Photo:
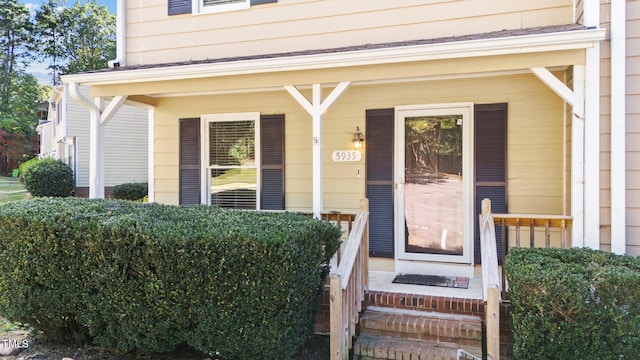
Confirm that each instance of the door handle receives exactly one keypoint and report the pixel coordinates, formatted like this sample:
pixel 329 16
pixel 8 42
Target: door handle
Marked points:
pixel 399 184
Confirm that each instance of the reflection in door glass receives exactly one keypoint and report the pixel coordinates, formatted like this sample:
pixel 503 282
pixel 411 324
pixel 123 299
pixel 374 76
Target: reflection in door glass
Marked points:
pixel 433 185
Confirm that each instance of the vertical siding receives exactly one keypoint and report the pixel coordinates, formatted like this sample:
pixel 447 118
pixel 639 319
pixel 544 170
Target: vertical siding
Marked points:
pixel 290 25
pixel 125 139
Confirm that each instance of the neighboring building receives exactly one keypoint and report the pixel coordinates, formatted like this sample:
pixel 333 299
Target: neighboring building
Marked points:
pixel 256 103
pixel 65 135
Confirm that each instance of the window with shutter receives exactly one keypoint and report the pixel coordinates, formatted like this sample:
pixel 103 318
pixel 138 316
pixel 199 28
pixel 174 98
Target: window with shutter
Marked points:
pixel 491 165
pixel 231 160
pixel 232 178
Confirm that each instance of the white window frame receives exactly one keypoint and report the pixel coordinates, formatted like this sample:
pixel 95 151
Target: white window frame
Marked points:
pixel 199 8
pixel 406 261
pixel 205 177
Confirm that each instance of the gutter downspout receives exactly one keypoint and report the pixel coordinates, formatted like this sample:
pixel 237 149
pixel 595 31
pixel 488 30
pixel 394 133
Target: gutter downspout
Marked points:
pixel 121 37
pixel 96 143
pixel 618 127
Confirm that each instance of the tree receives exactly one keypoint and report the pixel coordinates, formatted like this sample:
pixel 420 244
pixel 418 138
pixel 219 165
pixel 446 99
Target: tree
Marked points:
pixel 15 36
pixel 75 39
pixel 18 120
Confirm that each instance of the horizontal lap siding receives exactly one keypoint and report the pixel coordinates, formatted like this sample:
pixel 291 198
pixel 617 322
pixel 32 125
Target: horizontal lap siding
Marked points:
pixel 343 189
pixel 633 128
pixel 155 37
pixel 125 137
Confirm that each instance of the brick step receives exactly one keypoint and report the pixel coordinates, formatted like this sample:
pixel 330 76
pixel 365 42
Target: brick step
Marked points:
pixel 462 330
pixel 369 347
pixel 440 304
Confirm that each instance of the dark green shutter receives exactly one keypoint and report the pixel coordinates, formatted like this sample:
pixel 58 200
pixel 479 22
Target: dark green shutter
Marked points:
pixel 490 165
pixel 379 163
pixel 189 177
pixel 177 7
pixel 272 158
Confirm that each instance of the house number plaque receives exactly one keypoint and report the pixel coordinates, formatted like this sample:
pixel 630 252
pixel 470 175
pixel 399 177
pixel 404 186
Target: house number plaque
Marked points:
pixel 346 155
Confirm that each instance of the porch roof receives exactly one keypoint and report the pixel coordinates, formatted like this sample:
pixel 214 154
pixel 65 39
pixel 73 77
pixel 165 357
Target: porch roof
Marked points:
pixel 517 41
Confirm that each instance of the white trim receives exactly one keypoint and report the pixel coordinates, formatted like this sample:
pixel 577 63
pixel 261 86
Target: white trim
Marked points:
pixel 151 169
pixel 577 158
pixel 205 178
pixel 554 84
pixel 96 142
pixel 199 8
pixel 114 105
pixel 592 149
pixel 316 109
pixel 618 127
pixel 567 40
pixel 401 112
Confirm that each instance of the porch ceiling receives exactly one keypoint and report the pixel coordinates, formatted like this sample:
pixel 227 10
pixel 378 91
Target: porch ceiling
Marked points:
pixel 485 55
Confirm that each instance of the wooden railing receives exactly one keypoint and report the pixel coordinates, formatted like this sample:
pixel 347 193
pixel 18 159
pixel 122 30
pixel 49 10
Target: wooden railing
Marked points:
pixel 494 281
pixel 347 285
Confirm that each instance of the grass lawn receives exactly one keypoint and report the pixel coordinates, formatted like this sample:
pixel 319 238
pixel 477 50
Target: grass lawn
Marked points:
pixel 11 190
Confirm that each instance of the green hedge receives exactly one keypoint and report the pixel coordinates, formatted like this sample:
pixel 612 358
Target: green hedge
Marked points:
pixel 574 304
pixel 135 276
pixel 131 191
pixel 47 177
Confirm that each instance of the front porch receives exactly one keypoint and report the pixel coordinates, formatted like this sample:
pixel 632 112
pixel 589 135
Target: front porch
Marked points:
pixel 371 317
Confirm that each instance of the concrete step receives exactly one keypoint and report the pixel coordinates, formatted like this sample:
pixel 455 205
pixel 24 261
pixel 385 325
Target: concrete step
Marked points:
pixel 462 330
pixel 369 347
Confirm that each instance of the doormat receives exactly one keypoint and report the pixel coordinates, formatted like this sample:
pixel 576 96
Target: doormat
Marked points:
pixel 433 280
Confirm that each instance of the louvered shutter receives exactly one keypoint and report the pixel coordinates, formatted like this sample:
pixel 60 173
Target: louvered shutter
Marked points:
pixel 272 158
pixel 258 2
pixel 379 163
pixel 189 176
pixel 177 7
pixel 490 165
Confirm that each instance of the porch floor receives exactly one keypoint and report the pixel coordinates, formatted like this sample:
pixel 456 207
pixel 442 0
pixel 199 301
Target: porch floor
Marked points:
pixel 382 281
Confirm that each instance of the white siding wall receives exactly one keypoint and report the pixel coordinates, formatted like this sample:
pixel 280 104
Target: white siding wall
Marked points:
pixel 125 138
pixel 46 139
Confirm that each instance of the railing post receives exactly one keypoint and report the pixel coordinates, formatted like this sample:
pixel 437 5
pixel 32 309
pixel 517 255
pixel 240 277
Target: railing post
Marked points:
pixel 493 323
pixel 364 206
pixel 489 253
pixel 337 347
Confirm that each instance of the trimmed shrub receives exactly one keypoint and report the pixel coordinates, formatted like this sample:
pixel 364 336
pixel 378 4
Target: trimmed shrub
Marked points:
pixel 574 304
pixel 136 276
pixel 22 168
pixel 134 191
pixel 48 177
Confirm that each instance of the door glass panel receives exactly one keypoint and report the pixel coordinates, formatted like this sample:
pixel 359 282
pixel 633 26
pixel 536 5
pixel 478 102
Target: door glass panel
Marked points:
pixel 433 202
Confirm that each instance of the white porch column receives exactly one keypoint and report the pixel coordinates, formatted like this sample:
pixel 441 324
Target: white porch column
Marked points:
pixel 316 109
pixel 618 128
pixel 96 154
pixel 577 157
pixel 592 132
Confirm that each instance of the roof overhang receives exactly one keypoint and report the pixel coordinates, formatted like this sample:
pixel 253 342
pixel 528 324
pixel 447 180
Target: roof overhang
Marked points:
pixel 533 43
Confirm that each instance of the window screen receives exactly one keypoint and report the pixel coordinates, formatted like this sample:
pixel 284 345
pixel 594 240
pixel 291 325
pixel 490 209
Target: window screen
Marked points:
pixel 232 164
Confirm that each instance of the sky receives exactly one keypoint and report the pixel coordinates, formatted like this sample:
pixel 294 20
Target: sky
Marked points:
pixel 40 70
